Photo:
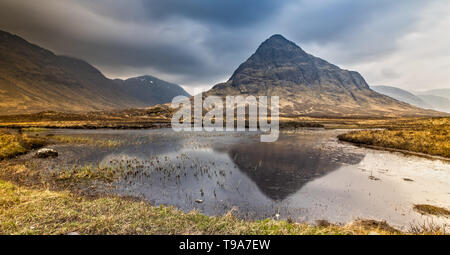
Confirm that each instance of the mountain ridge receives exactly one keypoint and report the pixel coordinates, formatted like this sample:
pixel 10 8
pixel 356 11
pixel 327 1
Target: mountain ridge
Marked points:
pixel 433 99
pixel 34 79
pixel 308 85
pixel 166 90
pixel 438 103
pixel 401 95
pixel 436 92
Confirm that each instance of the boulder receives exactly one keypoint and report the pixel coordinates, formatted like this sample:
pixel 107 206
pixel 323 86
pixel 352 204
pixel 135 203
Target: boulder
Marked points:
pixel 46 153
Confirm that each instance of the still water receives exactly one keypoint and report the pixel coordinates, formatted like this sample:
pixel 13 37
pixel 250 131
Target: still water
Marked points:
pixel 304 176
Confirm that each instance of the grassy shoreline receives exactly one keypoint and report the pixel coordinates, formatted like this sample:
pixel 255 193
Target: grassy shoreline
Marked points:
pixel 41 211
pixel 54 206
pixel 34 203
pixel 12 145
pixel 430 137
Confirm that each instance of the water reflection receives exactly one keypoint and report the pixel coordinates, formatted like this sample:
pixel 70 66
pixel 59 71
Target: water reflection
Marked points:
pixel 282 168
pixel 304 176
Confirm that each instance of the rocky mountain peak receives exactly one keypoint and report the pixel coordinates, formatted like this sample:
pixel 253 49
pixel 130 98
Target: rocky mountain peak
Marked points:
pixel 308 85
pixel 278 42
pixel 278 49
pixel 281 62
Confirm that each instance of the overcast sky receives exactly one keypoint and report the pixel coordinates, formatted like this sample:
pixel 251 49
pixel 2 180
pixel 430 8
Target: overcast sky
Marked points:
pixel 198 43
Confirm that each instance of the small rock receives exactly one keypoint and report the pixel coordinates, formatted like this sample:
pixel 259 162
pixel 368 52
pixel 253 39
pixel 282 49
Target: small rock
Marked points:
pixel 373 178
pixel 322 223
pixel 45 153
pixel 199 201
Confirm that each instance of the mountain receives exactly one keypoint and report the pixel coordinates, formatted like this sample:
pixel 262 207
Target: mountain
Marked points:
pixel 151 89
pixel 431 99
pixel 439 99
pixel 308 85
pixel 436 92
pixel 401 95
pixel 438 103
pixel 34 79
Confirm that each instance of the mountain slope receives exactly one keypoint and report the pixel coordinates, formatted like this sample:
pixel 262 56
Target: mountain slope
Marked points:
pixel 437 102
pixel 33 79
pixel 401 95
pixel 151 90
pixel 436 92
pixel 429 100
pixel 308 85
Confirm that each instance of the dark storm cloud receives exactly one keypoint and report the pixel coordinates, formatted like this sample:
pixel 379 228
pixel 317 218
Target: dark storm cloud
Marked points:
pixel 230 13
pixel 121 54
pixel 360 30
pixel 200 41
pixel 228 28
pixel 325 21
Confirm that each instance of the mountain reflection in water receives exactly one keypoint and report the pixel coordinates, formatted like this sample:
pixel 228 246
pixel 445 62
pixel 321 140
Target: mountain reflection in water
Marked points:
pixel 304 176
pixel 284 167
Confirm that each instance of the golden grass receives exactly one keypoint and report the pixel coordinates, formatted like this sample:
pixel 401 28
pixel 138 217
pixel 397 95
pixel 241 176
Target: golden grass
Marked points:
pixel 105 143
pixel 89 172
pixel 12 145
pixel 34 129
pixel 94 124
pixel 429 136
pixel 30 211
pixel 431 210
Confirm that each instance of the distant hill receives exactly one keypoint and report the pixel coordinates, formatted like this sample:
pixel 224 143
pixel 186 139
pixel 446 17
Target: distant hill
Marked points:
pixel 437 102
pixel 432 99
pixel 401 95
pixel 436 92
pixel 34 79
pixel 309 86
pixel 151 89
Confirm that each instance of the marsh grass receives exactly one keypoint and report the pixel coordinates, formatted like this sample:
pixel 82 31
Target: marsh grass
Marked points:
pixel 429 136
pixel 427 228
pixel 40 211
pixel 89 172
pixel 431 210
pixel 12 145
pixel 104 143
pixel 34 129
